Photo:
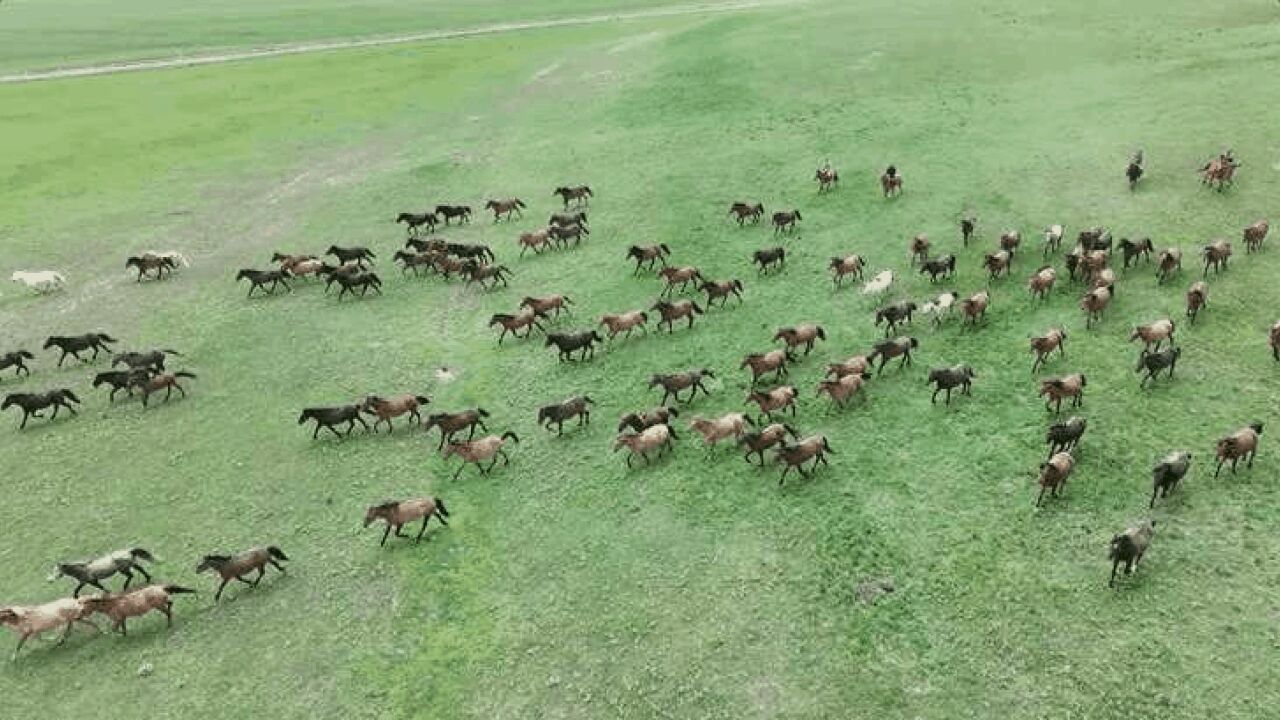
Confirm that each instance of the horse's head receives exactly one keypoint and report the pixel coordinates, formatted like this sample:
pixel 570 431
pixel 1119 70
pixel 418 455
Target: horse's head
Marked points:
pixel 211 562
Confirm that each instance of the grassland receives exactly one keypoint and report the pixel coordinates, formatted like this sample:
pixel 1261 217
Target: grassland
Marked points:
pixel 566 585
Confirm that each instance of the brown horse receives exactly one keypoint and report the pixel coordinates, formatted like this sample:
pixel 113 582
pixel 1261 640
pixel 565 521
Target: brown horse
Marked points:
pixel 537 241
pixel 795 456
pixel 1043 346
pixel 1041 283
pixel 505 207
pixel 673 311
pixel 168 382
pixel 476 452
pixel 451 424
pixel 847 266
pixel 1254 235
pixel 919 248
pixel 579 194
pixel 151 264
pixel 806 334
pixel 721 290
pixel 648 253
pixel 387 408
pixel 544 305
pixel 1197 298
pixel 891 182
pixel 397 513
pixel 139 601
pixel 1216 256
pixel 785 220
pixel 1169 260
pixel 1054 390
pixel 774 361
pixel 1220 170
pixel 627 321
pixel 526 318
pixel 235 567
pixel 827 178
pixel 681 276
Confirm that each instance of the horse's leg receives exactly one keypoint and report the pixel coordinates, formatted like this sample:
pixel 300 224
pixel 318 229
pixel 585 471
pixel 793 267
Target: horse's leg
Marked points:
pixel 385 533
pixel 25 414
pixel 459 472
pixel 218 595
pixel 331 429
pixel 422 530
pixel 128 578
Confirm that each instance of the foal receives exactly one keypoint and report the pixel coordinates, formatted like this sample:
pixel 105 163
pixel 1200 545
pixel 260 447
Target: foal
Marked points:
pixel 397 513
pixel 235 567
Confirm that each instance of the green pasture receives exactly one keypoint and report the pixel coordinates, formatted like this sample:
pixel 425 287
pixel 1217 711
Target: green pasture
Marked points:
pixel 566 585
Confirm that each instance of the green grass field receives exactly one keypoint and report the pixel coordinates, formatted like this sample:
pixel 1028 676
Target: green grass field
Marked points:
pixel 567 586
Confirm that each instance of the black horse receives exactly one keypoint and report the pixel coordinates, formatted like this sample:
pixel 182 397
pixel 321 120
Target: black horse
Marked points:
pixel 414 221
pixel 563 233
pixel 16 360
pixel 364 281
pixel 895 314
pixel 947 378
pixel 329 417
pixel 449 212
pixel 263 278
pixel 357 255
pixel 568 218
pixel 33 403
pixel 77 344
pixel 464 251
pixel 121 380
pixel 579 407
pixel 151 360
pixel 1132 250
pixel 1154 362
pixel 940 266
pixel 1065 435
pixel 568 343
pixel 769 257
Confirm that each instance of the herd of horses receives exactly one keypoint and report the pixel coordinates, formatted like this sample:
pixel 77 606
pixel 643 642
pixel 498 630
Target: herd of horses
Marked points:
pixel 651 433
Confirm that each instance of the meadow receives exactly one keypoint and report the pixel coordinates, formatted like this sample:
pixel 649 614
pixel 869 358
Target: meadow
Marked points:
pixel 566 585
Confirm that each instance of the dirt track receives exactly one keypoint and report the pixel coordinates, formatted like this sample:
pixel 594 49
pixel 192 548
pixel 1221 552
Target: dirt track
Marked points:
pixel 331 45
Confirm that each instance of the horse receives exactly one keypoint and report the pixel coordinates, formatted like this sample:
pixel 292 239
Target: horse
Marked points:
pixel 146 264
pixel 721 290
pixel 1154 362
pixel 744 211
pixel 1197 298
pixel 1168 473
pixel 568 343
pixel 629 321
pixel 679 275
pixel 149 360
pixel 805 334
pixel 757 442
pixel 121 380
pixel 657 437
pixel 505 207
pixel 235 567
pixel 357 255
pixel 1041 283
pixel 1054 473
pixel 93 572
pixel 769 257
pixel 162 381
pixel 512 323
pixel 1053 390
pixel 537 241
pixel 1167 261
pixel 730 425
pixel 387 408
pixel 1053 238
pixel 641 420
pixel 262 278
pixel 451 424
pixel 892 315
pixel 17 360
pixel 396 513
pixel 785 220
pixel 136 602
pixel 1220 170
pixel 886 350
pixel 1153 333
pixel 31 620
pixel 1133 172
pixel 478 273
pixel 968 224
pixel 1254 235
pixel 849 265
pixel 1133 250
pixel 1129 546
pixel 944 266
pixel 948 378
pixel 1216 256
pixel 330 417
pixel 42 281
pixel 673 383
pixel 673 311
pixel 774 361
pixel 449 212
pixel 648 253
pixel 1065 435
pixel 827 178
pixel 413 221
pixel 891 182
pixel 32 403
pixel 795 456
pixel 1242 443
pixel 579 194
pixel 565 219
pixel 919 248
pixel 364 280
pixel 475 452
pixel 75 344
pixel 578 406
pixel 563 233
pixel 1043 346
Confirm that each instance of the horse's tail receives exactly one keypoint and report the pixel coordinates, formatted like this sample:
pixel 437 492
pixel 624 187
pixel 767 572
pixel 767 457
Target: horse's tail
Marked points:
pixel 276 553
pixel 141 554
pixel 440 506
pixel 168 351
pixel 185 374
pixel 519 203
pixel 178 590
pixel 422 399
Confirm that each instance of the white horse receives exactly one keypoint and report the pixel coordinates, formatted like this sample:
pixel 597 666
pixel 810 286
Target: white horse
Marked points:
pixel 42 281
pixel 878 284
pixel 939 308
pixel 177 257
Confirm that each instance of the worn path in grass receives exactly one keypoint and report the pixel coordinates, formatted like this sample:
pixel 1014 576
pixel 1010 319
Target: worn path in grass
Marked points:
pixel 567 586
